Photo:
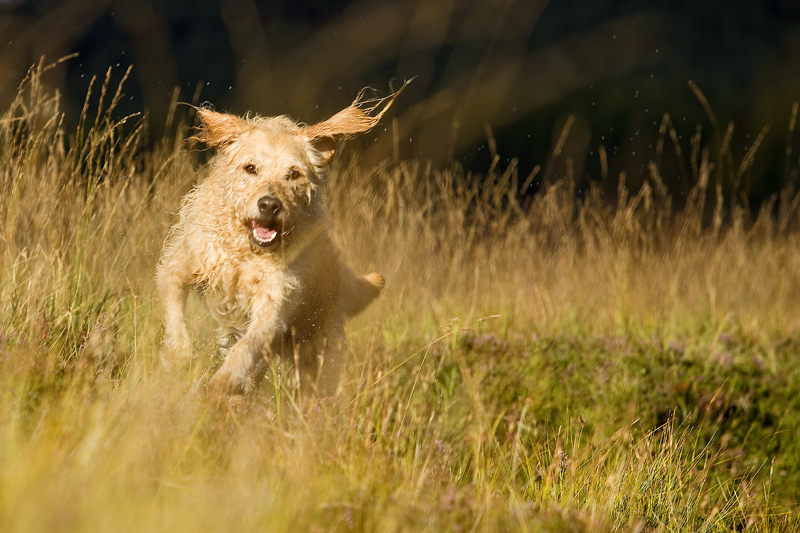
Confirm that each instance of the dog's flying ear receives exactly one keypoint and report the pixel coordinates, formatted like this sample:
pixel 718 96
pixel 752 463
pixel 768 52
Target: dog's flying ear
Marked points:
pixel 324 137
pixel 218 129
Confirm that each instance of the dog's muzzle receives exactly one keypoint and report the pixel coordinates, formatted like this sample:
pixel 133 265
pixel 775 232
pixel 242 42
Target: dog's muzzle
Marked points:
pixel 266 229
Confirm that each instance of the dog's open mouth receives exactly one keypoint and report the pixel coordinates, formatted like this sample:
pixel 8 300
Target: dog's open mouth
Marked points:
pixel 263 234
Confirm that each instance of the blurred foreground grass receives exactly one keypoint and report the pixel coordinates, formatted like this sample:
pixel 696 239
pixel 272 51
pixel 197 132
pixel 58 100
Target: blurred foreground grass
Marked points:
pixel 536 363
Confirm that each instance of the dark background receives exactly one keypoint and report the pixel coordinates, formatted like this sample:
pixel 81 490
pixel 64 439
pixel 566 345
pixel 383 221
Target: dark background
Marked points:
pixel 515 68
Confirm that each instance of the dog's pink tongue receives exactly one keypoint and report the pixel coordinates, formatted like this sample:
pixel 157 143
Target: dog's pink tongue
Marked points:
pixel 265 234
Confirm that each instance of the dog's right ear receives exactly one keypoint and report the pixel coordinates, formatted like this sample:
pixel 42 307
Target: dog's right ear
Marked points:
pixel 360 117
pixel 218 129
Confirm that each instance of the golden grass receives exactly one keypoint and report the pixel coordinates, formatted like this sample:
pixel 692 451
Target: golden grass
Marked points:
pixel 510 378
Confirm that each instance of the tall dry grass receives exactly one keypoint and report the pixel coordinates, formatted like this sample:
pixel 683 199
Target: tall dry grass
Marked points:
pixel 606 262
pixel 498 384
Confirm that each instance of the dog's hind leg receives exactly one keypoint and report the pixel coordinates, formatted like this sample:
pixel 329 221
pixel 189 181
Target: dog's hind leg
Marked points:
pixel 319 356
pixel 331 358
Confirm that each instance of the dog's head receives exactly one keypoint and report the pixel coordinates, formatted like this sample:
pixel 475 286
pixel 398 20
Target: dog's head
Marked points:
pixel 272 169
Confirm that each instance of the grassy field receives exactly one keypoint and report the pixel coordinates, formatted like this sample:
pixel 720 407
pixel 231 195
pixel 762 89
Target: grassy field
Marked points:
pixel 536 364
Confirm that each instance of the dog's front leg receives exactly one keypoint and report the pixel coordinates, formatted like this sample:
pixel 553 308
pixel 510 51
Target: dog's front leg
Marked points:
pixel 176 349
pixel 250 351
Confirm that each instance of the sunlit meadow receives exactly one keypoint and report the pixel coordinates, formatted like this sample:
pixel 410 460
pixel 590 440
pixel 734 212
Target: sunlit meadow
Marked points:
pixel 609 359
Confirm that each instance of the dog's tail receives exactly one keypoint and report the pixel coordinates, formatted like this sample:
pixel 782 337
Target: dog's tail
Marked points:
pixel 357 293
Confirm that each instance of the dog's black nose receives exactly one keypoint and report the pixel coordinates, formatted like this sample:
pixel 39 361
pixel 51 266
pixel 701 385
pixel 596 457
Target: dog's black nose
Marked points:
pixel 269 205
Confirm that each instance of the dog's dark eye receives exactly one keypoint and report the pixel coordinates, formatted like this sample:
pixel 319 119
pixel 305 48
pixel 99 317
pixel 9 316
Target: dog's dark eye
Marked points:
pixel 250 169
pixel 293 174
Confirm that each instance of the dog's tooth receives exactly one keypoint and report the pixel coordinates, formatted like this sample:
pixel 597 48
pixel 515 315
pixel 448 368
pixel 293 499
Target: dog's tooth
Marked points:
pixel 271 236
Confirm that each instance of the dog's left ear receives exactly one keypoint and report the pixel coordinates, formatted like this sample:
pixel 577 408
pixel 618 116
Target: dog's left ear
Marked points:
pixel 218 129
pixel 324 137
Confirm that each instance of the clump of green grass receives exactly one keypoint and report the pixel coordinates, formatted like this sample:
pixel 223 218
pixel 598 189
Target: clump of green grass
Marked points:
pixel 537 363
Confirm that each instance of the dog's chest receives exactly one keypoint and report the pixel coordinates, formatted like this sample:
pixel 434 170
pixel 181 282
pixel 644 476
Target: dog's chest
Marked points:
pixel 230 310
pixel 231 295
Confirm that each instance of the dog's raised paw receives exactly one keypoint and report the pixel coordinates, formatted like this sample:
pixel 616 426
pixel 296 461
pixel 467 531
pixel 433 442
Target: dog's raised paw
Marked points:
pixel 376 280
